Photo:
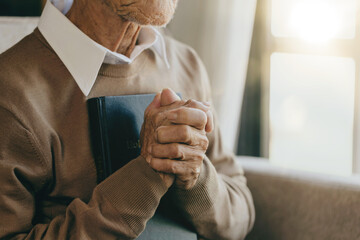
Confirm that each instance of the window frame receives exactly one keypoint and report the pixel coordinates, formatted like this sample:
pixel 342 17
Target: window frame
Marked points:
pixel 335 47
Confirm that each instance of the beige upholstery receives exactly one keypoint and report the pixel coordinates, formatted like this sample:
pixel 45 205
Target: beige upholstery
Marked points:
pixel 13 29
pixel 292 205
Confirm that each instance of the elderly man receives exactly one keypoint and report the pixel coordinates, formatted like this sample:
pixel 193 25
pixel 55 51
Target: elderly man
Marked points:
pixel 47 172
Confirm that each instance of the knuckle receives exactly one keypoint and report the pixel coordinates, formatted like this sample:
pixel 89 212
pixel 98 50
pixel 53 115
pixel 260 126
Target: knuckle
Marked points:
pixel 193 103
pixel 177 104
pixel 197 104
pixel 190 102
pixel 158 133
pixel 204 143
pixel 155 149
pixel 195 172
pixel 185 133
pixel 182 102
pixel 203 118
pixel 199 157
pixel 179 153
pixel 173 167
pixel 151 161
pixel 175 151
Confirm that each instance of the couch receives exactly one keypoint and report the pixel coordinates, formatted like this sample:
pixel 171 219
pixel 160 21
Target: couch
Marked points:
pixel 296 205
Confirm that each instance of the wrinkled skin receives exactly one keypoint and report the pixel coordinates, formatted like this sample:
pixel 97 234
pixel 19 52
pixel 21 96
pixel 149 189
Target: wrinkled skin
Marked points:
pixel 144 12
pixel 174 138
pixel 116 24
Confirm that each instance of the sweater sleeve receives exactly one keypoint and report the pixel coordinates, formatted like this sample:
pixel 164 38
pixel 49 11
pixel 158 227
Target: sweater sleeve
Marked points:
pixel 220 205
pixel 119 207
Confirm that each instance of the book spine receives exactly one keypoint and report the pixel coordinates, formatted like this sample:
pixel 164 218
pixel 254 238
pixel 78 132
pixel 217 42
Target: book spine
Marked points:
pixel 97 133
pixel 104 137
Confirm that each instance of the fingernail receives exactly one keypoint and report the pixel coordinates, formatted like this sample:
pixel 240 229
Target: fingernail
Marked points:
pixel 148 159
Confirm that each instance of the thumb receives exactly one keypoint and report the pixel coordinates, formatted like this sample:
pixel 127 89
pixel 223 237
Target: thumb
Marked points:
pixel 154 104
pixel 168 97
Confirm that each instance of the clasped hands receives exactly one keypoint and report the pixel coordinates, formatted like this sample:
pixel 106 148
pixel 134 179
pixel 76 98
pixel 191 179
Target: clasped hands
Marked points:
pixel 173 138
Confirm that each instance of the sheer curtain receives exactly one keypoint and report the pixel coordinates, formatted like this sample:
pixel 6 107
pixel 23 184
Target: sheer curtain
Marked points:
pixel 220 31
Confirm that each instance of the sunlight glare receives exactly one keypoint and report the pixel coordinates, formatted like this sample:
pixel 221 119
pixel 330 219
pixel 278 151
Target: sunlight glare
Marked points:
pixel 315 22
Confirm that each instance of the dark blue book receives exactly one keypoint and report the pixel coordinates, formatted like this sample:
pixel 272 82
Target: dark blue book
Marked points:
pixel 115 125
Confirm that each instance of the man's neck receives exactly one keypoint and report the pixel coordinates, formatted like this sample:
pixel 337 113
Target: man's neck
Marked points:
pixel 104 26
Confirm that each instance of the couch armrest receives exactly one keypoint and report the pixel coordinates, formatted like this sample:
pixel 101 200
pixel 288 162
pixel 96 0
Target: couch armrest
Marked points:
pixel 298 205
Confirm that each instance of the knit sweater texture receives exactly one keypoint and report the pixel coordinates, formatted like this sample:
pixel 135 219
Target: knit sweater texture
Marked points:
pixel 47 171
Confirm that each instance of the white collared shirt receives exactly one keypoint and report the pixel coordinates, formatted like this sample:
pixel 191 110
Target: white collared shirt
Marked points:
pixel 81 55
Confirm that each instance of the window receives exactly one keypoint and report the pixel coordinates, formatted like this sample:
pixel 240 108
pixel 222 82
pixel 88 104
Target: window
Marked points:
pixel 309 64
pixel 312 112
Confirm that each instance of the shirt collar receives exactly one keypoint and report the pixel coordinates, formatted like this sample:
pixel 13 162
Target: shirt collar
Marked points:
pixel 81 55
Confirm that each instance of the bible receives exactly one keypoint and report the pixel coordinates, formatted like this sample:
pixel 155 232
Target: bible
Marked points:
pixel 115 125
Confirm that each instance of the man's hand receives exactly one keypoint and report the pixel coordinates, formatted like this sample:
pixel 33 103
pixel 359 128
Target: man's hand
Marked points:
pixel 153 118
pixel 174 138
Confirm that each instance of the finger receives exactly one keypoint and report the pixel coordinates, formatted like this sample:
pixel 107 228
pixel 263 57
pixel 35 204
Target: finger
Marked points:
pixel 177 151
pixel 210 122
pixel 179 168
pixel 181 134
pixel 186 173
pixel 168 97
pixel 159 114
pixel 188 116
pixel 197 104
pixel 154 104
pixel 205 107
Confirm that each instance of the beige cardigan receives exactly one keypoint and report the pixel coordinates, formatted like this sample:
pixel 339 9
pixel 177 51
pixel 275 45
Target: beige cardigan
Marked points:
pixel 47 173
